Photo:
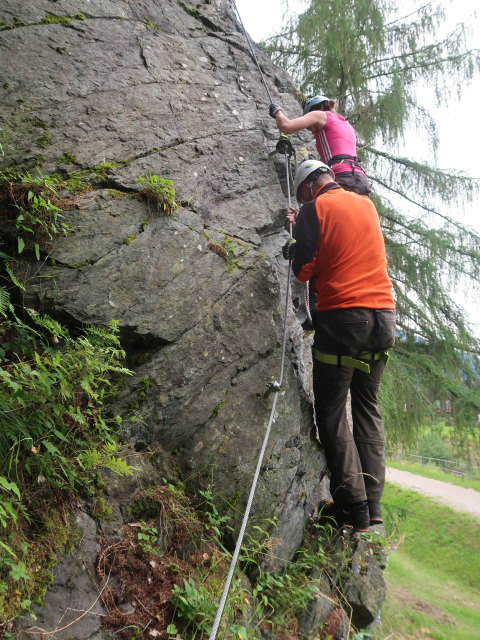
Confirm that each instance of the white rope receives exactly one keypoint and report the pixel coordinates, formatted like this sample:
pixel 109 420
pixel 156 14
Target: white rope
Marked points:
pixel 276 388
pixel 306 300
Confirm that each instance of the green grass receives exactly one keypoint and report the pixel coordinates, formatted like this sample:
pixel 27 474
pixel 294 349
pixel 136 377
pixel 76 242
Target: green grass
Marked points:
pixel 431 471
pixel 421 604
pixel 433 576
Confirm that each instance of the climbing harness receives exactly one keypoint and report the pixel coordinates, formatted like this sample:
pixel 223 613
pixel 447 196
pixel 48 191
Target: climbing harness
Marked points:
pixel 357 362
pixel 275 388
pixel 343 157
pixel 353 161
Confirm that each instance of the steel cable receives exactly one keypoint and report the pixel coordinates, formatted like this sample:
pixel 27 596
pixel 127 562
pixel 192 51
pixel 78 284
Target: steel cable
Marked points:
pixel 247 37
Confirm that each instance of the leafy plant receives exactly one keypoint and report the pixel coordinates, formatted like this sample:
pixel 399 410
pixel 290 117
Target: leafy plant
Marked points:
pixel 228 248
pixel 281 596
pixel 130 238
pixel 215 521
pixel 160 192
pixel 194 604
pixel 242 633
pixel 35 205
pixel 172 631
pixel 9 499
pixel 52 400
pixel 54 435
pixel 147 537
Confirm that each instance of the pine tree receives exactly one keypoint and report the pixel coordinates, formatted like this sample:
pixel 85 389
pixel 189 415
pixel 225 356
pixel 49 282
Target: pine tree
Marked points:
pixel 372 60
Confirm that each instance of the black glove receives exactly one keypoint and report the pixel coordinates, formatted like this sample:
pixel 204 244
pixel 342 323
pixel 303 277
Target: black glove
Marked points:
pixel 273 109
pixel 288 249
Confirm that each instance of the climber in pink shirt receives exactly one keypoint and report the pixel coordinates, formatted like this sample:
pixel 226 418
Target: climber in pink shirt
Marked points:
pixel 335 139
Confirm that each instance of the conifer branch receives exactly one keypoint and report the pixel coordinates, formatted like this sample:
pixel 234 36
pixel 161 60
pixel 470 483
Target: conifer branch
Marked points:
pixel 419 204
pixel 409 15
pixel 421 65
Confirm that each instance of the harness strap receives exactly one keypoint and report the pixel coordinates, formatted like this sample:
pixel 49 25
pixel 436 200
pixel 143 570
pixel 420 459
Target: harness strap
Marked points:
pixel 349 361
pixel 374 355
pixel 353 161
pixel 342 156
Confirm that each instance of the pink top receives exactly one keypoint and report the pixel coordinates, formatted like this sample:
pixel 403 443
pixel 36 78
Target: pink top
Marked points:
pixel 337 137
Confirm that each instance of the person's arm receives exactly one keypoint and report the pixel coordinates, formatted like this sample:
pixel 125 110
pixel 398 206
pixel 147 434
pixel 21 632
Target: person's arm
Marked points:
pixel 290 217
pixel 306 234
pixel 314 119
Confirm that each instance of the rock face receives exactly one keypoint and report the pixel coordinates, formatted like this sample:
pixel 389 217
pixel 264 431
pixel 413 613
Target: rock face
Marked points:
pixel 168 88
pixel 74 585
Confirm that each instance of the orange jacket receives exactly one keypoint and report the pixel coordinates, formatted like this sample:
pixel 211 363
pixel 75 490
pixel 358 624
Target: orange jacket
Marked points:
pixel 339 243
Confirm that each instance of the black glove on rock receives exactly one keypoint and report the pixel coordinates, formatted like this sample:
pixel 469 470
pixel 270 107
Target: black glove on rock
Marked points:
pixel 273 109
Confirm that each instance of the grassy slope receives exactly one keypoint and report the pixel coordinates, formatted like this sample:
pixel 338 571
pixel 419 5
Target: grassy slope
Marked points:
pixel 433 576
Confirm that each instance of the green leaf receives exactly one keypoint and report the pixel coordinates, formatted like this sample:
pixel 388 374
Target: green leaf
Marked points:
pixel 20 245
pixel 10 486
pixel 60 435
pixel 6 548
pixel 51 448
pixel 37 251
pixel 18 571
pixel 13 277
pixel 9 380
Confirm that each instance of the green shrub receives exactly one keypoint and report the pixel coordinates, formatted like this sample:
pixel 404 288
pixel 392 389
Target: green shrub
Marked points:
pixel 35 206
pixel 160 192
pixel 194 605
pixel 54 437
pixel 52 390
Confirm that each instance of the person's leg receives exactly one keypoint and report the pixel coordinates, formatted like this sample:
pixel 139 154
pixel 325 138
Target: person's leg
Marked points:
pixel 330 387
pixel 368 431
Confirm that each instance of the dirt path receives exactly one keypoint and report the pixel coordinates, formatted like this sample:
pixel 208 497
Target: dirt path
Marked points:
pixel 467 500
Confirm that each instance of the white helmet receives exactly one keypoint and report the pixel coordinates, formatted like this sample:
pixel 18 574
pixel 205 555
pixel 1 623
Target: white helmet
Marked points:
pixel 305 169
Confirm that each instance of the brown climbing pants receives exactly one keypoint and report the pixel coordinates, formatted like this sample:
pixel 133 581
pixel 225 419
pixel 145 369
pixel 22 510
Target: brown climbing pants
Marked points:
pixel 356 460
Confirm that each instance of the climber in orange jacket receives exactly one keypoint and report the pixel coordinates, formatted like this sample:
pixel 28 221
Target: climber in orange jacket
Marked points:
pixel 339 242
pixel 335 139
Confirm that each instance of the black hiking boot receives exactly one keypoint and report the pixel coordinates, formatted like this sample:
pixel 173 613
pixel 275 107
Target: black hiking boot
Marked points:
pixel 354 515
pixel 375 511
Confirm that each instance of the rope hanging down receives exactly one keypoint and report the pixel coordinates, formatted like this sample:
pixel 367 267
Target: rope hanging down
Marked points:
pixel 247 38
pixel 275 387
pixel 285 146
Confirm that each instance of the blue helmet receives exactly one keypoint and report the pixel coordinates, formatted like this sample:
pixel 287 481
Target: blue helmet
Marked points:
pixel 312 102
